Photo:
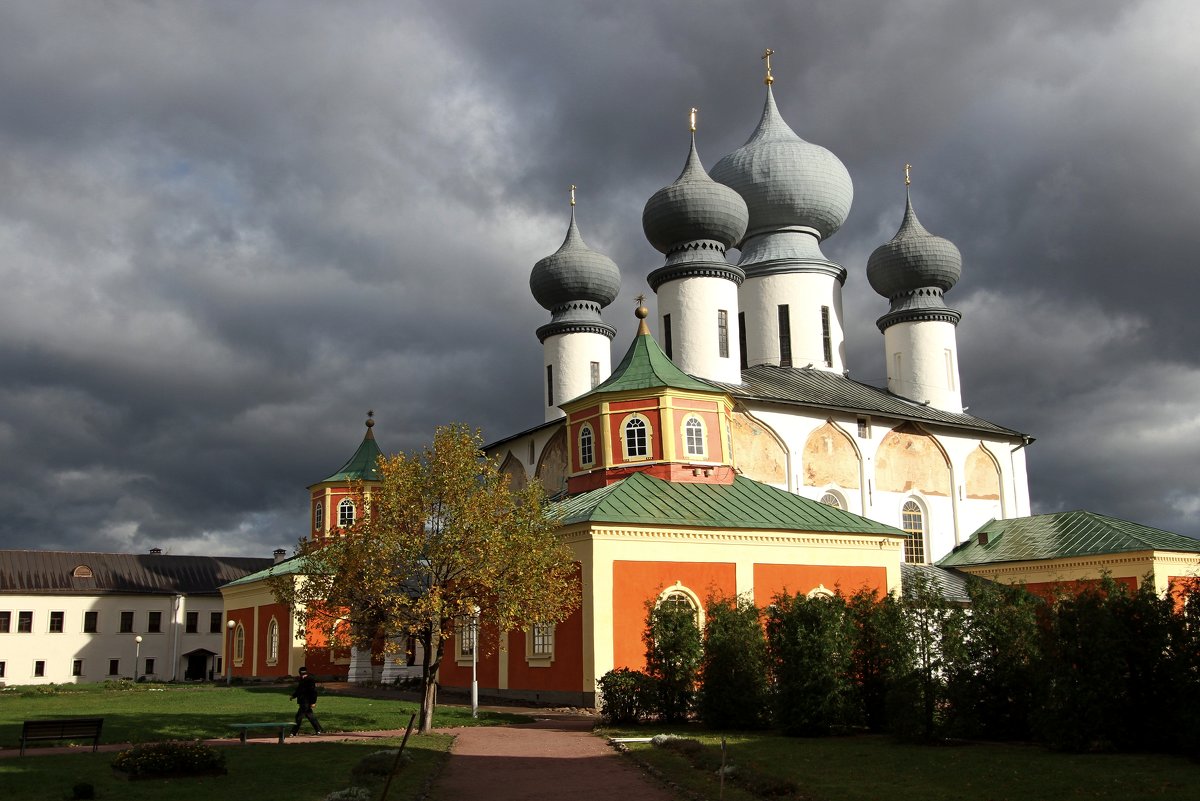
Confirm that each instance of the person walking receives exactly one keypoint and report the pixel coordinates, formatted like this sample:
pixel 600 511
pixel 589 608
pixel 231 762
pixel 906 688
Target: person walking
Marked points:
pixel 306 696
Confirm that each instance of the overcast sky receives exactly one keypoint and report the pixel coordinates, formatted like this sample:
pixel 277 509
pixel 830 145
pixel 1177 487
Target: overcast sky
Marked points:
pixel 229 229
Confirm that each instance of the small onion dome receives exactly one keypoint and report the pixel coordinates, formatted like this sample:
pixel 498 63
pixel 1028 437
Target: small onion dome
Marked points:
pixel 785 180
pixel 694 208
pixel 574 272
pixel 914 259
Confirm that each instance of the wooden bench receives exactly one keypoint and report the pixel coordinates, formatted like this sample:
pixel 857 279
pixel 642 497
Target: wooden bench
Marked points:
pixel 64 729
pixel 244 727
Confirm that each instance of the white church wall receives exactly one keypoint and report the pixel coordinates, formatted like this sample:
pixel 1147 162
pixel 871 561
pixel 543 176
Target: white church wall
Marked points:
pixel 692 305
pixel 922 363
pixel 570 357
pixel 804 294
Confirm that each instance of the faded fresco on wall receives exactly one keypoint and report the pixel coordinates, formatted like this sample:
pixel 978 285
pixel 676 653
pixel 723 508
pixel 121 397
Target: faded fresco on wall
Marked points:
pixel 552 465
pixel 909 460
pixel 757 452
pixel 983 477
pixel 830 459
pixel 512 467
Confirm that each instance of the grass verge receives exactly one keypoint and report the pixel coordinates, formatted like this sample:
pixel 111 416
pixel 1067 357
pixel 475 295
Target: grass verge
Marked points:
pixel 867 768
pixel 306 772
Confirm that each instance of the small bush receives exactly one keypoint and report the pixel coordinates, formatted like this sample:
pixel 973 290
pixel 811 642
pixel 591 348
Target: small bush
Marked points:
pixel 626 696
pixel 377 765
pixel 350 794
pixel 170 759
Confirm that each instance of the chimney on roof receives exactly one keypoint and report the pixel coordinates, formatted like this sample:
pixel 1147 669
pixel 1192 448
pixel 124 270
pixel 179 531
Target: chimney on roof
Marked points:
pixel 983 538
pixel 279 555
pixel 156 551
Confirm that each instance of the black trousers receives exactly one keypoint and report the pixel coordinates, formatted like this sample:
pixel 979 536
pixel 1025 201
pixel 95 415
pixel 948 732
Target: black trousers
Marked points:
pixel 306 711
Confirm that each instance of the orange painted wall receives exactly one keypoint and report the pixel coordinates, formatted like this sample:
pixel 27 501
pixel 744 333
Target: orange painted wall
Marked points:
pixel 487 668
pixel 772 580
pixel 618 435
pixel 634 583
pixel 565 674
pixel 714 443
pixel 1051 589
pixel 245 617
pixel 282 617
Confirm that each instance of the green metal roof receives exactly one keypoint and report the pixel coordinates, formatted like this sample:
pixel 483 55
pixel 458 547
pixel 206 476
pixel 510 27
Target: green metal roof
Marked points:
pixel 287 567
pixel 645 366
pixel 743 504
pixel 1061 535
pixel 363 465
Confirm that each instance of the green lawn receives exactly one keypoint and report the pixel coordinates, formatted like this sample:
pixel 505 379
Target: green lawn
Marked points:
pixel 260 772
pixel 147 713
pixel 264 772
pixel 868 768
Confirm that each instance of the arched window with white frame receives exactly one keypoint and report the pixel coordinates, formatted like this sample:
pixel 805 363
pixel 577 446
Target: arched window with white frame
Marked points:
pixel 831 498
pixel 636 436
pixel 273 642
pixel 693 436
pixel 912 521
pixel 587 445
pixel 346 513
pixel 239 644
pixel 318 516
pixel 681 597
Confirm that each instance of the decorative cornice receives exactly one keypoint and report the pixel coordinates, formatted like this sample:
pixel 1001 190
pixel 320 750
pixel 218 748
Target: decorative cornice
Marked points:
pixel 943 315
pixel 856 540
pixel 788 266
pixel 675 272
pixel 550 329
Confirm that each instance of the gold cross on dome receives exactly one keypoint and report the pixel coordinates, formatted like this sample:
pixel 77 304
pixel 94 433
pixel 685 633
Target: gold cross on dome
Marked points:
pixel 907 175
pixel 641 299
pixel 572 194
pixel 767 58
pixel 694 110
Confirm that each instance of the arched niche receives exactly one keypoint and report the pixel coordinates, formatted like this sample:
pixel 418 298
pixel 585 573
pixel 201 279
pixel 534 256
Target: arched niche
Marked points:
pixel 512 467
pixel 552 464
pixel 757 451
pixel 830 459
pixel 909 460
pixel 982 475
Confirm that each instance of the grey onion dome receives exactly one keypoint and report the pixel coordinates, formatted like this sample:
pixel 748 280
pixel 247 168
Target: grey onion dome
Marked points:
pixel 574 272
pixel 913 259
pixel 785 180
pixel 694 208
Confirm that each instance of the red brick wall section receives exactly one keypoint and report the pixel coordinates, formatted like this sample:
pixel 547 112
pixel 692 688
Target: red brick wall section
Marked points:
pixel 487 667
pixel 1052 589
pixel 282 615
pixel 566 672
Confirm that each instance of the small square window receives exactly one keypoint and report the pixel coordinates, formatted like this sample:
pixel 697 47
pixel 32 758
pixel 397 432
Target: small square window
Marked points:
pixel 39 668
pixel 149 665
pixel 154 623
pixel 126 622
pixel 91 622
pixel 24 622
pixel 77 667
pixel 543 639
pixel 214 623
pixel 114 667
pixel 5 622
pixel 192 622
pixel 56 622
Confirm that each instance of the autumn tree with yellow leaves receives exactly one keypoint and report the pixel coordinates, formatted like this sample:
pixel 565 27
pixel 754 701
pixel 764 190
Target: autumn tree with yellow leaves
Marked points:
pixel 443 534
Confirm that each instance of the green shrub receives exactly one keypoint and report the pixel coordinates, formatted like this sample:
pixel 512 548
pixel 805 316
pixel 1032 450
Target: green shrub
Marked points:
pixel 673 650
pixel 809 641
pixel 377 765
pixel 172 758
pixel 733 671
pixel 626 696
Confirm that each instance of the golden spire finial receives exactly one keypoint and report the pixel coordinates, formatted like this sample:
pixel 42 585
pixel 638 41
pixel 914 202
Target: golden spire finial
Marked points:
pixel 572 194
pixel 907 175
pixel 767 58
pixel 694 110
pixel 641 299
pixel 641 312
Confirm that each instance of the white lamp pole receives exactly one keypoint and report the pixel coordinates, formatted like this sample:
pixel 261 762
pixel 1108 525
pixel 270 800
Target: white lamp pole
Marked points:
pixel 137 654
pixel 475 663
pixel 229 654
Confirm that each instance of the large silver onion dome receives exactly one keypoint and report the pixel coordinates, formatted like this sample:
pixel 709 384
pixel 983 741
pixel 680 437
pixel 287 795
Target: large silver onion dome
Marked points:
pixel 785 180
pixel 574 272
pixel 694 208
pixel 913 259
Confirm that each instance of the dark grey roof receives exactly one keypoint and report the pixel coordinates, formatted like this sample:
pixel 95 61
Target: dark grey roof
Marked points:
pixel 694 208
pixel 52 572
pixel 913 259
pixel 826 390
pixel 951 584
pixel 575 272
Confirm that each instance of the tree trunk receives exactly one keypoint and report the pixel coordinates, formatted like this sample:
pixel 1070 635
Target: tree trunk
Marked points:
pixel 431 664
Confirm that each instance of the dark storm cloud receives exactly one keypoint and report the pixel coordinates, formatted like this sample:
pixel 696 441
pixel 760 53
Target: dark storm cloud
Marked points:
pixel 226 229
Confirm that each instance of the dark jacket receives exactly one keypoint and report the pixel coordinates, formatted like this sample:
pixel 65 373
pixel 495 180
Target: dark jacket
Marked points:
pixel 306 691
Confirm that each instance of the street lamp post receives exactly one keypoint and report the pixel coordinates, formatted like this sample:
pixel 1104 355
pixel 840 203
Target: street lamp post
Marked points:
pixel 137 654
pixel 229 654
pixel 475 663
